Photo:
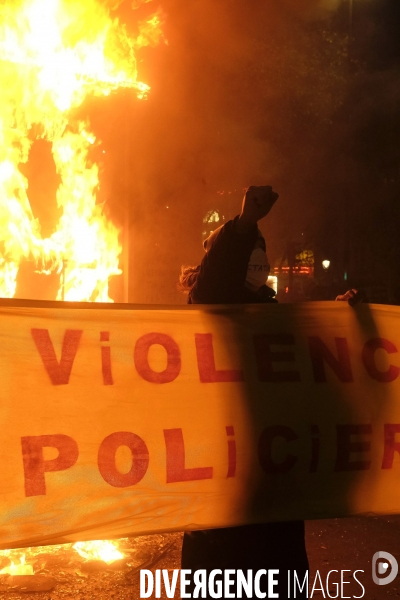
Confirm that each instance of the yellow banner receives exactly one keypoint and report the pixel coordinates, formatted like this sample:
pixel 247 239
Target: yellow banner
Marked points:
pixel 124 421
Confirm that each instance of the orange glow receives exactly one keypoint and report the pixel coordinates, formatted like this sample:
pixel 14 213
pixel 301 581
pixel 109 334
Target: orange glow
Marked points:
pixel 20 560
pixel 294 270
pixel 54 53
pixel 99 550
pixel 20 568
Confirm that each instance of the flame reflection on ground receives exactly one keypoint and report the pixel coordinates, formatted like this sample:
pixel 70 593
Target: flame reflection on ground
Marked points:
pixel 60 573
pixel 19 560
pixel 99 550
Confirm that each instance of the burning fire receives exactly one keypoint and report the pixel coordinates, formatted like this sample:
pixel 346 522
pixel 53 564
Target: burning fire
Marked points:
pixel 53 54
pixel 98 550
pixel 106 551
pixel 18 569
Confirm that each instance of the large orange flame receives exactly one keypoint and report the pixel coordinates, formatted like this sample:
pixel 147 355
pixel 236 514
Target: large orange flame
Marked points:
pixel 53 54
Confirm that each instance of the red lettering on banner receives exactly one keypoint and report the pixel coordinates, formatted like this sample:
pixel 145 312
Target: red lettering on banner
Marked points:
pixel 391 446
pixel 141 354
pixel 59 372
pixel 345 446
pixel 106 365
pixel 231 452
pixel 206 362
pixel 106 359
pixel 265 449
pixel 106 459
pixel 34 464
pixel 368 357
pixel 265 357
pixel 320 354
pixel 176 470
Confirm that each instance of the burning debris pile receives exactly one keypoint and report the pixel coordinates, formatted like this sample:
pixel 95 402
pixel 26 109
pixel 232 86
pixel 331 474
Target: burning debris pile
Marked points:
pixel 53 55
pixel 96 569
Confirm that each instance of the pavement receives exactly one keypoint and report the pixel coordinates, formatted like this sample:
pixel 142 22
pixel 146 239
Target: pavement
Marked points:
pixel 350 543
pixel 347 545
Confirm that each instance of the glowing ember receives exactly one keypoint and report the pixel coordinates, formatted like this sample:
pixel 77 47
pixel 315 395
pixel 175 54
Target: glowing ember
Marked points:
pixel 98 550
pixel 22 561
pixel 53 54
pixel 18 569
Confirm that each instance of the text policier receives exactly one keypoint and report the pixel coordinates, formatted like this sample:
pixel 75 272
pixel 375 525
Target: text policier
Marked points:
pixel 347 443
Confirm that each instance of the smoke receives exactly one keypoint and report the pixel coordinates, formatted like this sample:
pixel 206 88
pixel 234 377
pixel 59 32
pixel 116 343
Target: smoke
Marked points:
pixel 243 94
pixel 312 8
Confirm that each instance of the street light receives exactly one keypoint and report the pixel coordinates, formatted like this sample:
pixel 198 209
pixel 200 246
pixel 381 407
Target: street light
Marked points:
pixel 326 264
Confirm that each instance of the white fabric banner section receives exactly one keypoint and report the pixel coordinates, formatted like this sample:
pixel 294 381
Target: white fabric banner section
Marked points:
pixel 122 420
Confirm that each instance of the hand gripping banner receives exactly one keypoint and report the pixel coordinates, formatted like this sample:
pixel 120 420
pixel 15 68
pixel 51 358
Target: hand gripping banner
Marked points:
pixel 121 420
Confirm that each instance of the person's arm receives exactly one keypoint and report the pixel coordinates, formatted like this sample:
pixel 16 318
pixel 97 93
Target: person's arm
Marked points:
pixel 257 203
pixel 223 269
pixel 353 297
